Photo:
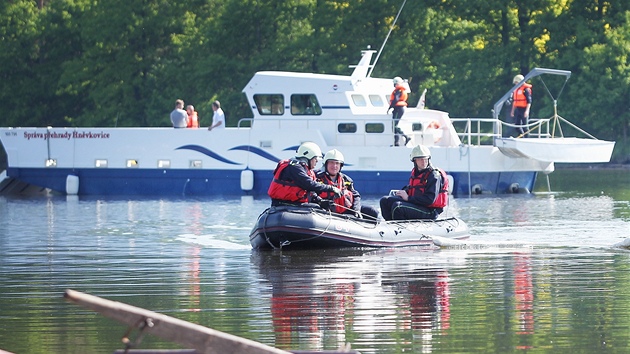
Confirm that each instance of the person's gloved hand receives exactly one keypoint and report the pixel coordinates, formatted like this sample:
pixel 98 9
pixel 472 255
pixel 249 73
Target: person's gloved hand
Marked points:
pixel 337 192
pixel 326 204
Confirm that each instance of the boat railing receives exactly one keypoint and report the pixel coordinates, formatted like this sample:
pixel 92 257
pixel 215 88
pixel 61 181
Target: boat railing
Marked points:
pixel 245 123
pixel 471 131
pixel 483 131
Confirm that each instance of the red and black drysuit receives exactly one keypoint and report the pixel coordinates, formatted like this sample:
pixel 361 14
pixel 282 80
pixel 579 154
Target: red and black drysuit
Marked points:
pixel 292 183
pixel 349 202
pixel 427 197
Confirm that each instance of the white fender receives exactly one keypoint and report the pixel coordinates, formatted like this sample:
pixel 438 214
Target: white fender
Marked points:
pixel 476 189
pixel 451 183
pixel 247 180
pixel 72 185
pixel 514 188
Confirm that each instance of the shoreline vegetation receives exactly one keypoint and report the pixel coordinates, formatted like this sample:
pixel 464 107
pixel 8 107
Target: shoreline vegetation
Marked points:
pixel 124 66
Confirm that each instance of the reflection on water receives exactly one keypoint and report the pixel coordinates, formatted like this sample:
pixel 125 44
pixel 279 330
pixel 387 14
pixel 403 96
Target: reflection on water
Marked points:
pixel 363 297
pixel 559 287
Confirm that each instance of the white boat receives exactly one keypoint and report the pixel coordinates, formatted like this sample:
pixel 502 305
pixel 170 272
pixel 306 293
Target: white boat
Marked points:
pixel 573 150
pixel 348 113
pixel 545 138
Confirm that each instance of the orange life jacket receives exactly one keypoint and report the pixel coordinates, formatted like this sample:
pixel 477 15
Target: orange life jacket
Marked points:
pixel 342 203
pixel 288 190
pixel 417 184
pixel 398 97
pixel 193 121
pixel 518 96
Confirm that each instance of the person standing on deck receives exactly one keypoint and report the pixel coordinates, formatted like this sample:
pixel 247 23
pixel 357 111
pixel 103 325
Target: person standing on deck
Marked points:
pixel 218 118
pixel 398 102
pixel 521 103
pixel 193 119
pixel 179 117
pixel 294 179
pixel 424 197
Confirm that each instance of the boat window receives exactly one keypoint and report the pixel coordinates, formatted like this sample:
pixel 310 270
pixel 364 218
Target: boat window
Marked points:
pixel 359 100
pixel 374 127
pixel 195 164
pixel 269 104
pixel 131 163
pixel 100 163
pixel 347 128
pixel 164 164
pixel 377 101
pixel 305 104
pixel 416 127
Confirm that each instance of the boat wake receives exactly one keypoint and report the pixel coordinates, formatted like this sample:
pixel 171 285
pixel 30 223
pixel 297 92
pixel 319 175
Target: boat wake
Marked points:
pixel 443 242
pixel 623 244
pixel 211 242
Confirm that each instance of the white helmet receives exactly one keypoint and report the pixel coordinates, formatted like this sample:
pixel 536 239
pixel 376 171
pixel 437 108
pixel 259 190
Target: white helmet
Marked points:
pixel 420 151
pixel 518 78
pixel 334 154
pixel 398 80
pixel 309 150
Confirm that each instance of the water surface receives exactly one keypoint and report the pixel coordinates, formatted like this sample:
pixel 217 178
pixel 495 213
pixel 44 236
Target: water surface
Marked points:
pixel 540 274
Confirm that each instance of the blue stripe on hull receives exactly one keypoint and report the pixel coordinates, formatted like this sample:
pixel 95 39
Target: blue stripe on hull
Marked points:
pixel 227 182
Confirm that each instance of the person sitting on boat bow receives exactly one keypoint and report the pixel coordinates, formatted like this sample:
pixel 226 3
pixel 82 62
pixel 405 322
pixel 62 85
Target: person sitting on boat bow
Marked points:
pixel 424 197
pixel 294 179
pixel 350 200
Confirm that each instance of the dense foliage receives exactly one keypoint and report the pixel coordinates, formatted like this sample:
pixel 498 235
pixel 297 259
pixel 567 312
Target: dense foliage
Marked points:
pixel 124 62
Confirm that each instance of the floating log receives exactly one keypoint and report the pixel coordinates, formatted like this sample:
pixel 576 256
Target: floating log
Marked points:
pixel 202 339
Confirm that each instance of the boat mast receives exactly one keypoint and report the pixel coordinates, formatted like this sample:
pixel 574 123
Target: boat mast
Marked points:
pixel 386 38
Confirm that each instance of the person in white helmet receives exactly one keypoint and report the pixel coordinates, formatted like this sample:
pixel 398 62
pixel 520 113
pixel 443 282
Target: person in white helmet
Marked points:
pixel 294 179
pixel 521 104
pixel 350 200
pixel 398 102
pixel 424 197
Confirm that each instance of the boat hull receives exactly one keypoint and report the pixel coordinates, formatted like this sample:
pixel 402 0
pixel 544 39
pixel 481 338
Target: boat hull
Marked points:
pixel 308 228
pixel 227 182
pixel 563 150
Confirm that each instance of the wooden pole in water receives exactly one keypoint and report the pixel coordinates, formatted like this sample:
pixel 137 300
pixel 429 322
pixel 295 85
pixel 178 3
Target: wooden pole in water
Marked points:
pixel 200 338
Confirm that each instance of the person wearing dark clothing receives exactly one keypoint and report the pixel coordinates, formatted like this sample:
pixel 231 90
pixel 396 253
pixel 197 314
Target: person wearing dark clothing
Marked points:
pixel 424 197
pixel 350 200
pixel 521 103
pixel 398 102
pixel 294 181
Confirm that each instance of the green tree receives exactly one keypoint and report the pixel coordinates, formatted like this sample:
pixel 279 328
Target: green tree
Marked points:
pixel 125 47
pixel 20 48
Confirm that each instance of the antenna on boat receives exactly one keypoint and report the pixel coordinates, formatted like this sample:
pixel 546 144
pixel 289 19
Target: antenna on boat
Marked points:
pixel 386 38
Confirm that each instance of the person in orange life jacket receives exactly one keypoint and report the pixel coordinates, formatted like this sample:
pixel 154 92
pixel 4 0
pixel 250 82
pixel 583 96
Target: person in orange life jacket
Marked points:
pixel 521 103
pixel 424 197
pixel 398 102
pixel 294 179
pixel 193 120
pixel 350 201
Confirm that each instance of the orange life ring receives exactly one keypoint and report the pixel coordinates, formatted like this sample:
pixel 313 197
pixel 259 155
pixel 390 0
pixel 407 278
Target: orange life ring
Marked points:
pixel 433 125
